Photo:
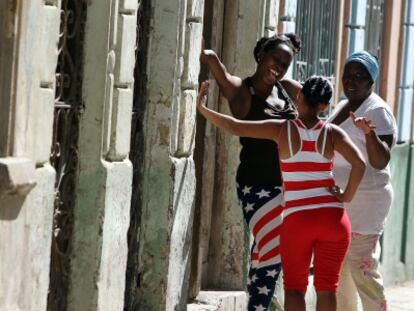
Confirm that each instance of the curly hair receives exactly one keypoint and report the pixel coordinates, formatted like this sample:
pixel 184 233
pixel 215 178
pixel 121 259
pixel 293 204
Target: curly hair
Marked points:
pixel 267 44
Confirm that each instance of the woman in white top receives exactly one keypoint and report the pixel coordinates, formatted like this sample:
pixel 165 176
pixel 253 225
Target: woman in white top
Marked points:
pixel 371 203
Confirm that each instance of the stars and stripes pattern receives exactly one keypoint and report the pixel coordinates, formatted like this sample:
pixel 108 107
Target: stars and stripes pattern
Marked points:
pixel 262 208
pixel 307 174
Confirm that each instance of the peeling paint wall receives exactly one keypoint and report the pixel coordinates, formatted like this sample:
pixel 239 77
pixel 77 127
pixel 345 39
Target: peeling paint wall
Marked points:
pixel 101 211
pixel 168 176
pixel 28 56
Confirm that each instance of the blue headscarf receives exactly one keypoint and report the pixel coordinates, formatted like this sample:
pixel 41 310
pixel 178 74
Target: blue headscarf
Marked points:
pixel 367 60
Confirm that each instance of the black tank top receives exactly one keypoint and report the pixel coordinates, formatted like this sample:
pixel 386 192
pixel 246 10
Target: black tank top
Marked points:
pixel 259 158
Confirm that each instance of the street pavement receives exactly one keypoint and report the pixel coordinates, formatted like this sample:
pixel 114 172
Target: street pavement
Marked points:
pixel 401 298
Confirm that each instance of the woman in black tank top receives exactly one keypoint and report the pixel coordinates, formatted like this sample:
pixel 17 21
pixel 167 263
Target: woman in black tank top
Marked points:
pixel 264 95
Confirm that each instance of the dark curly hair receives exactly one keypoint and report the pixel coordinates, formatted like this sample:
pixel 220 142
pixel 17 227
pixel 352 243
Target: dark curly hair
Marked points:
pixel 317 90
pixel 267 44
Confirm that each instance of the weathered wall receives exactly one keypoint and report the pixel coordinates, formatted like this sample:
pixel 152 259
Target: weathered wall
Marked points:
pixel 231 28
pixel 244 23
pixel 398 239
pixel 101 211
pixel 27 75
pixel 168 177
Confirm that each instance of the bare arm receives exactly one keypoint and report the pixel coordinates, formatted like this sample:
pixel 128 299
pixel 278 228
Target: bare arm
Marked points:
pixel 229 85
pixel 266 129
pixel 378 147
pixel 344 145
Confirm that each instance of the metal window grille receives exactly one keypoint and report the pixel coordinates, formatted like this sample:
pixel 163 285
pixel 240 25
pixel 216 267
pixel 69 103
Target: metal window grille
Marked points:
pixel 316 25
pixel 64 153
pixel 374 26
pixel 374 29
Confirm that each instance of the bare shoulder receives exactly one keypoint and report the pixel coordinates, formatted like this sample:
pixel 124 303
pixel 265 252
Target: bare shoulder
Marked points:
pixel 291 86
pixel 236 81
pixel 336 130
pixel 338 134
pixel 288 82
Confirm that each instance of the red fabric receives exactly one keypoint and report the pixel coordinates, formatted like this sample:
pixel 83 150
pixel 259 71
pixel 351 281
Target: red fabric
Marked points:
pixel 324 233
pixel 308 145
pixel 305 167
pixel 268 237
pixel 270 254
pixel 300 124
pixel 272 215
pixel 311 201
pixel 309 184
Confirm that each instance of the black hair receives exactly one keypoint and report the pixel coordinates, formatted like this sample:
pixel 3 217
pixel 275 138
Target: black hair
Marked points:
pixel 317 90
pixel 266 44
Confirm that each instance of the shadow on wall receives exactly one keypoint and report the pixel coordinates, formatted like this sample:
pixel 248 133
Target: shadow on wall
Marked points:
pixel 11 205
pixel 17 179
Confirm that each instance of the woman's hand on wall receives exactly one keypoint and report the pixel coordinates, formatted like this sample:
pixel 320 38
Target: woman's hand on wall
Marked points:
pixel 202 94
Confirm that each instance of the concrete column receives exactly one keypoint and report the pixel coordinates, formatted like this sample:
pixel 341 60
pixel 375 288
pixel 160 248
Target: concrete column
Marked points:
pixel 103 189
pixel 406 83
pixel 168 177
pixel 342 45
pixel 28 56
pixel 205 157
pixel 391 57
pixel 287 21
pixel 287 15
pixel 227 261
pixel 271 17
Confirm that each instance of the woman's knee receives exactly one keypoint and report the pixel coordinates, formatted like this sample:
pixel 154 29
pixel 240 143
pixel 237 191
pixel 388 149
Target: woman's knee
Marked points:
pixel 295 293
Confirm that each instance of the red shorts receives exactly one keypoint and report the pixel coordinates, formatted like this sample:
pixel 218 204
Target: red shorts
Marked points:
pixel 324 233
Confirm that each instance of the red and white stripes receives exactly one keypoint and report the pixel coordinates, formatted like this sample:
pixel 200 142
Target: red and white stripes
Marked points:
pixel 307 174
pixel 265 227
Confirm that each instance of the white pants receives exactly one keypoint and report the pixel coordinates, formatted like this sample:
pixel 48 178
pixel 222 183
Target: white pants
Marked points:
pixel 360 276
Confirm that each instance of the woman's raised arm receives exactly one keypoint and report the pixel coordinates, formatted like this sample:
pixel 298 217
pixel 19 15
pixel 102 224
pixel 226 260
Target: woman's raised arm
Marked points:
pixel 229 85
pixel 266 129
pixel 378 147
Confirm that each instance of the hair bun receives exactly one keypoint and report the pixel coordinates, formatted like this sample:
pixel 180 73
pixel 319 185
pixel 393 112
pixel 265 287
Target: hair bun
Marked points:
pixel 294 39
pixel 266 44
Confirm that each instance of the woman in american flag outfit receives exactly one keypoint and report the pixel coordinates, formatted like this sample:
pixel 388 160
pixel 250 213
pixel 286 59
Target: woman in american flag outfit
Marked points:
pixel 266 94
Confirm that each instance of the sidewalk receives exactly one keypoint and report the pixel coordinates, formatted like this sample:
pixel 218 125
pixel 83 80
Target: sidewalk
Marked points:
pixel 401 298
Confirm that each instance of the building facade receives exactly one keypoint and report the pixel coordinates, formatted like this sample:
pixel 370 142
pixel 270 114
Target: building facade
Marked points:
pixel 114 195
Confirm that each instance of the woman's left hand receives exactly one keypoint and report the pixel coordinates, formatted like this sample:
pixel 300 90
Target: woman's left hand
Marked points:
pixel 362 123
pixel 338 193
pixel 202 93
